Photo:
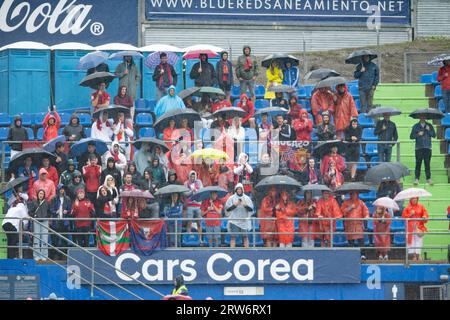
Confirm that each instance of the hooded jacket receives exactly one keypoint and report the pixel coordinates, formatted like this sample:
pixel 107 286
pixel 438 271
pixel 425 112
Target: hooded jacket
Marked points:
pixel 102 130
pixel 248 107
pixel 239 215
pixel 73 187
pixel 47 185
pixel 417 211
pixel 303 128
pixel 56 204
pixel 105 206
pixel 241 70
pixel 243 173
pixel 51 131
pixel 273 79
pixel 344 110
pixel 114 172
pixel 176 181
pixel 67 176
pixel 220 67
pixel 194 187
pixel 74 130
pixel 167 79
pixel 169 103
pixel 17 133
pixel 158 174
pixel 121 161
pixel 130 80
pixel 206 78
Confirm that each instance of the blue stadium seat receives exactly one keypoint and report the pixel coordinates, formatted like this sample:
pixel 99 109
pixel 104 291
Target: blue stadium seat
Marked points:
pixel 235 92
pixel 399 239
pixel 38 118
pixel 85 119
pixel 448 151
pixel 260 91
pixel 150 104
pixel 374 160
pixel 250 145
pixel 370 207
pixel 426 78
pixel 257 240
pixel 140 104
pixel 65 118
pixel 190 239
pixel 370 225
pixel 297 240
pixel 30 133
pixel 239 242
pixel 339 225
pixel 306 104
pixel 7 149
pixel 434 76
pixel 354 91
pixel 301 92
pixel 438 92
pixel 371 149
pixel 261 104
pixel 5 120
pixel 362 165
pixel 368 196
pixel 368 135
pixel 441 105
pixel 147 133
pixel 4 134
pixel 6 163
pixel 60 131
pixel 340 240
pixel 367 242
pixel 447 134
pixel 87 131
pixel 223 225
pixel 358 104
pixel 365 122
pixel 144 120
pixel 235 102
pixel 27 119
pixel 398 225
pixel 40 134
pixel 309 89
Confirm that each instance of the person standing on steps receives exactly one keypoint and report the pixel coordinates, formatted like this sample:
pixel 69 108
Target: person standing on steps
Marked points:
pixel 368 74
pixel 422 132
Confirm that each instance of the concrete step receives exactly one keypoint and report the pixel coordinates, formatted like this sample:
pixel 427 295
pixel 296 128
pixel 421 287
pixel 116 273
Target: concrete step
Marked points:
pixel 400 90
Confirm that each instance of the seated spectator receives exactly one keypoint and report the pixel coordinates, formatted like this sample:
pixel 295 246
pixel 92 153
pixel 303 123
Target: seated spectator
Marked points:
pixel 39 208
pixel 212 211
pixel 66 177
pixel 303 126
pixel 173 210
pixel 111 170
pixel 294 108
pixel 220 103
pixel 345 109
pixel 17 133
pixel 83 159
pixel 180 160
pixel 186 132
pixel 352 135
pixel 123 99
pixel 102 129
pixel 247 105
pixel 332 177
pixel 237 133
pixel 193 207
pixel 321 101
pixel 308 227
pixel 171 133
pixel 74 130
pixel 388 189
pixel 239 209
pixel 220 124
pixel 279 101
pixel 381 232
pixel 123 132
pixel 51 124
pixel 168 103
pixel 337 158
pixel 105 203
pixel 100 99
pixel 44 183
pixel 60 209
pixel 172 178
pixel 327 207
pixel 136 176
pixel 61 157
pixel 163 161
pixel 242 173
pixel 31 172
pixel 52 172
pixel 224 178
pixel 158 174
pixel 313 173
pixel 147 182
pixel 326 130
pixel 285 210
pixel 82 208
pixel 143 158
pixel 119 158
pixel 267 214
pixel 91 174
pixel 76 184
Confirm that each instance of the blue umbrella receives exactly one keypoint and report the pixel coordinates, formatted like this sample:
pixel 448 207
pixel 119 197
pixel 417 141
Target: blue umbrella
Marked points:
pixel 205 193
pixel 80 147
pixel 51 145
pixel 119 55
pixel 92 60
pixel 153 60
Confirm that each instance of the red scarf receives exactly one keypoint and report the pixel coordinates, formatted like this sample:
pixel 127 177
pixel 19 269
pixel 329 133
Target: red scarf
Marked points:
pixel 248 63
pixel 312 176
pixel 99 124
pixel 225 71
pixel 169 74
pixel 116 156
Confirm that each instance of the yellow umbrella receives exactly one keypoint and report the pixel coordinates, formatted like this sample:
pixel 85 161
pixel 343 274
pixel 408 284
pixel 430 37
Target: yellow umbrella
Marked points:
pixel 210 153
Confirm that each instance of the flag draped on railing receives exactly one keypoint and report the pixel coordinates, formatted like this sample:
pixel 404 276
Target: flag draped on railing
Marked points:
pixel 113 237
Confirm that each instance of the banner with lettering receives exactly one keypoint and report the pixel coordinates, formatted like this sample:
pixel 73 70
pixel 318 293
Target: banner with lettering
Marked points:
pixel 93 22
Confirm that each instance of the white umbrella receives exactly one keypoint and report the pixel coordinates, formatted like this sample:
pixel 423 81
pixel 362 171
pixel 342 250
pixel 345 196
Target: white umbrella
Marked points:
pixel 387 203
pixel 72 46
pixel 117 47
pixel 26 45
pixel 412 193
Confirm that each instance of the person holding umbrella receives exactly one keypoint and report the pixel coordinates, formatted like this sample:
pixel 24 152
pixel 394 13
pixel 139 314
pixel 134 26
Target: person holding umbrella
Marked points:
pixel 422 132
pixel 357 209
pixel 164 76
pixel 344 110
pixel 327 208
pixel 224 74
pixel 17 133
pixel 368 74
pixel 267 216
pixel 352 135
pixel 52 172
pixel 61 157
pixel 294 108
pixel 203 72
pixel 30 171
pixel 386 130
pixel 382 220
pixel 247 71
pixel 51 124
pixel 285 211
pixel 100 99
pixel 220 103
pixel 444 78
pixel 274 78
pixel 129 76
pixel 416 216
pixel 279 101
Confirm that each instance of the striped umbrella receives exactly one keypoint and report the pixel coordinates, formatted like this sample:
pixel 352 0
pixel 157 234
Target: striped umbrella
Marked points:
pixel 153 60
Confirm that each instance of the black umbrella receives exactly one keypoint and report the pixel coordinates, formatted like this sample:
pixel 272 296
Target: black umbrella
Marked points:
pixel 324 148
pixel 279 182
pixel 177 115
pixel 272 111
pixel 230 113
pixel 112 111
pixel 172 188
pixel 315 187
pixel 356 56
pixel 386 171
pixel 205 193
pixel 282 88
pixel 429 113
pixel 93 80
pixel 14 183
pixel 211 92
pixel 188 92
pixel 331 82
pixel 36 155
pixel 153 142
pixel 321 74
pixel 380 111
pixel 282 58
pixel 354 187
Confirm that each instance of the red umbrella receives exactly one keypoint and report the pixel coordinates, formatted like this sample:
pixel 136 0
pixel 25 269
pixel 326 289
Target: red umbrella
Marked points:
pixel 194 54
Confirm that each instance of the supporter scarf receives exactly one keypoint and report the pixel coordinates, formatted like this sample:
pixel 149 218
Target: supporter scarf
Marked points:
pixel 99 124
pixel 225 71
pixel 248 63
pixel 169 75
pixel 312 176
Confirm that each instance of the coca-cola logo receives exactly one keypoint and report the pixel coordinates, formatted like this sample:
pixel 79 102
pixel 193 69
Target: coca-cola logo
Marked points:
pixel 65 17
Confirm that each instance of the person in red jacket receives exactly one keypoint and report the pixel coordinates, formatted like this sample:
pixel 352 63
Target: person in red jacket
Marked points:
pixel 294 108
pixel 285 211
pixel 220 103
pixel 322 100
pixel 92 174
pixel 211 210
pixel 444 78
pixel 340 161
pixel 345 109
pixel 82 208
pixel 303 126
pixel 51 124
pixel 247 105
pixel 416 217
pixel 381 232
pixel 327 207
pixel 267 214
pixel 52 172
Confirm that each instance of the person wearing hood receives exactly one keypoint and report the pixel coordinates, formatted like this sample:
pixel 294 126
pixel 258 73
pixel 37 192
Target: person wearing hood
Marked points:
pixel 74 130
pixel 344 109
pixel 52 173
pixel 355 208
pixel 39 209
pixel 285 211
pixel 28 170
pixel 237 133
pixel 327 207
pixel 290 75
pixel 322 100
pixel 172 178
pixel 158 173
pixel 242 173
pixel 136 176
pixel 335 157
pixel 239 209
pixel 100 99
pixel 129 76
pixel 247 71
pixel 352 135
pixel 193 207
pixel 274 78
pixel 224 178
pixel 91 174
pixel 119 158
pixel 82 208
pixel 247 105
pixel 180 160
pixel 83 159
pixel 122 98
pixel 416 216
pixel 267 216
pixel 303 126
pixel 143 158
pixel 326 130
pixel 212 212
pixel 101 129
pixel 76 184
pixel 444 79
pixel 123 132
pixel 279 101
pixel 61 157
pixel 17 133
pixel 224 70
pixel 44 183
pixel 51 124
pixel 106 201
pixel 180 288
pixel 111 170
pixel 203 72
pixel 308 226
pixel 169 102
pixel 60 208
pixel 66 177
pixel 173 209
pixel 11 226
pixel 386 130
pixel 368 74
pixel 294 108
pixel 382 220
pixel 164 76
